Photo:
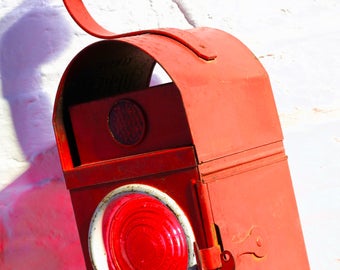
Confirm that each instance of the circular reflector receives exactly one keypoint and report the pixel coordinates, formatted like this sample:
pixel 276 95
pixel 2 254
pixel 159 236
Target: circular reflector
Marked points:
pixel 140 227
pixel 127 122
pixel 140 232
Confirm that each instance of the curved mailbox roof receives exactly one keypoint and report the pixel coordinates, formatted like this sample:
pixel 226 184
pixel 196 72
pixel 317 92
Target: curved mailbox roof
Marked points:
pixel 226 92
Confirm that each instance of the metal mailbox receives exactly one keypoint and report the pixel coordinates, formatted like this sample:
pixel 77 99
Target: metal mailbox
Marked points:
pixel 191 174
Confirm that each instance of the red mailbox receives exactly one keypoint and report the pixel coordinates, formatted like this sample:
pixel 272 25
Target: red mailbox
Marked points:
pixel 190 174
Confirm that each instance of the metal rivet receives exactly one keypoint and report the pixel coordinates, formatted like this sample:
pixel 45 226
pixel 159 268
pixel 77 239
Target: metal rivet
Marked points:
pixel 259 241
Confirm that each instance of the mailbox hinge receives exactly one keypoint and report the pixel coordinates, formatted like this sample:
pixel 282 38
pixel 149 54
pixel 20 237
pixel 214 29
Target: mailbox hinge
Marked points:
pixel 208 258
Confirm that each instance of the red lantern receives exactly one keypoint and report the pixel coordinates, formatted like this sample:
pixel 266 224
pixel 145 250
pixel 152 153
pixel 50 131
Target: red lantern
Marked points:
pixel 189 174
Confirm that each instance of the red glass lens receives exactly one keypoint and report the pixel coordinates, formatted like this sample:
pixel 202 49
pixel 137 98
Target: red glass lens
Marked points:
pixel 142 233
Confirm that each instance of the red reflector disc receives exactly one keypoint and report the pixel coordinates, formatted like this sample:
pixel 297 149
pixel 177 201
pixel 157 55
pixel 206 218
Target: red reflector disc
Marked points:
pixel 127 122
pixel 140 232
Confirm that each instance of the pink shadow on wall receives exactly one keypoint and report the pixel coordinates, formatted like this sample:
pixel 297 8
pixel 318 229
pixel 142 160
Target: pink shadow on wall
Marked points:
pixel 37 226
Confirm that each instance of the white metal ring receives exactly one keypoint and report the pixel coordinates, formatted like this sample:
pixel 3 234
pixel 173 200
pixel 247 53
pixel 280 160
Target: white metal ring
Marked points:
pixel 96 245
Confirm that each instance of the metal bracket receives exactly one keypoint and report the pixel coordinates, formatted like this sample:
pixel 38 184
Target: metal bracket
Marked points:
pixel 208 258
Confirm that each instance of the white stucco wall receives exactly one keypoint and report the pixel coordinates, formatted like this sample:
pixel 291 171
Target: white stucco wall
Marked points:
pixel 298 43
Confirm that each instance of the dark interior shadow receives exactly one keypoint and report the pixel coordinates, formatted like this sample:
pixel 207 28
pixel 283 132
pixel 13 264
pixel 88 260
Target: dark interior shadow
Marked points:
pixel 37 226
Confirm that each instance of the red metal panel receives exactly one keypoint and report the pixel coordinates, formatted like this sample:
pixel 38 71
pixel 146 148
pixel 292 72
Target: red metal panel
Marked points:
pixel 250 159
pixel 228 100
pixel 166 124
pixel 257 217
pixel 130 167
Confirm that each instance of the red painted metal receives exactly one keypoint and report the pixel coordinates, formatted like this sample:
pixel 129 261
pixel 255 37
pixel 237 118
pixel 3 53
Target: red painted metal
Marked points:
pixel 211 140
pixel 209 258
pixel 172 171
pixel 79 13
pixel 97 143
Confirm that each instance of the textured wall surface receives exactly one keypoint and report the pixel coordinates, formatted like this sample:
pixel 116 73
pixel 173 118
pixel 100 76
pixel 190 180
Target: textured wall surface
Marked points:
pixel 298 43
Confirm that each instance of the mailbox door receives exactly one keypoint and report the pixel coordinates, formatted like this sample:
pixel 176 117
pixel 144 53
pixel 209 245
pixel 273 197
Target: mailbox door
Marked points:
pixel 256 215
